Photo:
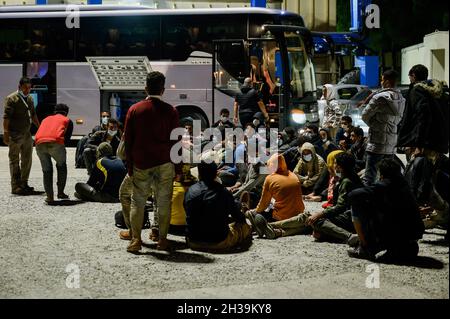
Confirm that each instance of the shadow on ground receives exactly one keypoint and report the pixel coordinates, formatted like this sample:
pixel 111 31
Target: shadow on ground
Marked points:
pixel 66 202
pixel 419 262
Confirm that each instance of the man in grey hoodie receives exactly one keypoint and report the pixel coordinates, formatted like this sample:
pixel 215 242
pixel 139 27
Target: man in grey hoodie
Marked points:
pixel 382 114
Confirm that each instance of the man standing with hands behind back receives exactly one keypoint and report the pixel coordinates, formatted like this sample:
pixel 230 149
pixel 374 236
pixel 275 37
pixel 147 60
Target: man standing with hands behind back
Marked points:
pixel 19 112
pixel 148 126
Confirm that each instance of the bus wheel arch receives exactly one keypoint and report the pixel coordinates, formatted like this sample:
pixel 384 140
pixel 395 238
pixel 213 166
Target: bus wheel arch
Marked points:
pixel 195 112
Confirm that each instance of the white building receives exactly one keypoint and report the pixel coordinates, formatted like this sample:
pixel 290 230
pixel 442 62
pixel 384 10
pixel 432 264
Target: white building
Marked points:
pixel 433 53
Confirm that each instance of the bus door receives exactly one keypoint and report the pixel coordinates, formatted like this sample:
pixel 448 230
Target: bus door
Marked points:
pixel 267 72
pixel 231 66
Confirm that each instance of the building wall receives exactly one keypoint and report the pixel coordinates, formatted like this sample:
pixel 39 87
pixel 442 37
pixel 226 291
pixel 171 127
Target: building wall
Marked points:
pixel 433 53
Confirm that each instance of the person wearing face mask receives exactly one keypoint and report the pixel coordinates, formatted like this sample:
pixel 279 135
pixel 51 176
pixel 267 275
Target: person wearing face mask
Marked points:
pixel 309 167
pixel 327 144
pixel 343 133
pixel 224 120
pixel 19 112
pixel 81 145
pixel 111 136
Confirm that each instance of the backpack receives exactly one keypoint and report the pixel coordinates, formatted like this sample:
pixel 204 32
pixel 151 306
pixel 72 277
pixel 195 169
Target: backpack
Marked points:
pixel 120 221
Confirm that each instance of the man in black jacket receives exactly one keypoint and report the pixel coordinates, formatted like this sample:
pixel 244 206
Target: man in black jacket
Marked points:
pixel 248 102
pixel 425 122
pixel 208 205
pixel 386 216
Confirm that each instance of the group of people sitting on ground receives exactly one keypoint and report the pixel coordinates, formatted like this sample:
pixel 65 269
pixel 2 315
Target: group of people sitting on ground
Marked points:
pixel 370 201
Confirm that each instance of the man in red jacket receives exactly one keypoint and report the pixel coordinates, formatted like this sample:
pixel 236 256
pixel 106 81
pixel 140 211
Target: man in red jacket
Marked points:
pixel 148 126
pixel 50 144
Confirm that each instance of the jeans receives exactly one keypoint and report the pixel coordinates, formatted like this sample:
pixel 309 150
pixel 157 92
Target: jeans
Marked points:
pixel 20 159
pixel 160 180
pixel 339 227
pixel 293 226
pixel 45 152
pixel 370 174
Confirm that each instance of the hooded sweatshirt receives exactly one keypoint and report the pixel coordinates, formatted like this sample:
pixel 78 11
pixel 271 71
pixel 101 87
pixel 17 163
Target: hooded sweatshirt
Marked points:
pixel 283 186
pixel 383 114
pixel 309 171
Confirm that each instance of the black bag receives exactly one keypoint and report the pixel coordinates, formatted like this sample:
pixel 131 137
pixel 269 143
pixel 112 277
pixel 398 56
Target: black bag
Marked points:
pixel 120 221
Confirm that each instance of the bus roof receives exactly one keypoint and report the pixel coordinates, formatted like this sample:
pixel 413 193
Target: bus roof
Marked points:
pixel 49 11
pixel 60 7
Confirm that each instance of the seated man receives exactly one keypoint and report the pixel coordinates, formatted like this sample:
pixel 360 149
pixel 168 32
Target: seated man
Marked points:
pixel 284 187
pixel 208 205
pixel 386 216
pixel 343 133
pixel 110 136
pixel 82 143
pixel 334 222
pixel 224 120
pixel 104 183
pixel 309 167
pixel 358 149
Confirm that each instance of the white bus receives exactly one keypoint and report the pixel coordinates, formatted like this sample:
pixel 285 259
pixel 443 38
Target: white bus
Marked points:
pixel 205 54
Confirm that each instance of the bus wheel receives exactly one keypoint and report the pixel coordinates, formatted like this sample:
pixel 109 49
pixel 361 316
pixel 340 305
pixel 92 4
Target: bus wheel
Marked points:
pixel 193 113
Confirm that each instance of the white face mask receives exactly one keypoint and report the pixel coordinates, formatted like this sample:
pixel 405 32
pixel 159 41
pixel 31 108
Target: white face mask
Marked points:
pixel 324 140
pixel 224 118
pixel 105 120
pixel 307 158
pixel 112 133
pixel 255 122
pixel 338 174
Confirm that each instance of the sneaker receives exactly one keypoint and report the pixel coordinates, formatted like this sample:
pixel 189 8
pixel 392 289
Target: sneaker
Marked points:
pixel 262 227
pixel 353 241
pixel 248 214
pixel 18 191
pixel 78 196
pixel 125 235
pixel 63 196
pixel 134 246
pixel 361 253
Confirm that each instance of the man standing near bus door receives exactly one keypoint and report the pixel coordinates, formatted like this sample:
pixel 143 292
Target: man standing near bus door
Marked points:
pixel 247 103
pixel 148 126
pixel 19 112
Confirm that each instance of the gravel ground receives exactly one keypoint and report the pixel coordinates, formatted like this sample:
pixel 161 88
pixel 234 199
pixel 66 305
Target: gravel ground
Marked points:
pixel 39 243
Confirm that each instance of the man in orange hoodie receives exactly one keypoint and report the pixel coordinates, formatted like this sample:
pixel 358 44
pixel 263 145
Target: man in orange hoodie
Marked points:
pixel 284 187
pixel 50 138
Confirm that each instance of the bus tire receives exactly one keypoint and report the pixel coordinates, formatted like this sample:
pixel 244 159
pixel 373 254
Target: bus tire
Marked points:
pixel 193 112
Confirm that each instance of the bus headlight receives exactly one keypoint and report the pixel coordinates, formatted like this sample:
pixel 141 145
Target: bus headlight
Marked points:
pixel 298 116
